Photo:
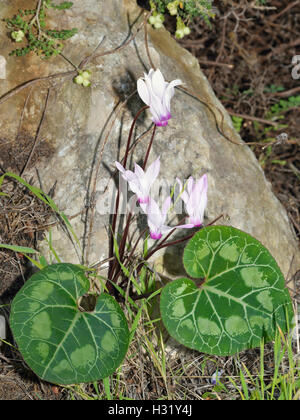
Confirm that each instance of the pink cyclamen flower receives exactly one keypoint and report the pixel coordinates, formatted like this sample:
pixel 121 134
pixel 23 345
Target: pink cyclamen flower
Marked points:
pixel 195 199
pixel 156 218
pixel 140 181
pixel 157 94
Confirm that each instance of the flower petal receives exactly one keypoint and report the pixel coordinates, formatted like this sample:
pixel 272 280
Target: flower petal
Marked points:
pixel 155 235
pixel 153 171
pixel 186 226
pixel 154 218
pixel 156 118
pixel 166 206
pixel 155 100
pixel 197 201
pixel 158 84
pixel 139 171
pixel 120 167
pixel 143 91
pixel 203 197
pixel 190 185
pixel 183 194
pixel 166 229
pixel 153 211
pixel 135 187
pixel 129 176
pixel 169 93
pixel 150 74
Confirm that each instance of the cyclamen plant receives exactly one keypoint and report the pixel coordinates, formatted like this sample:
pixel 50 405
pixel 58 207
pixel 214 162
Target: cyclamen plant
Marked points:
pixel 233 296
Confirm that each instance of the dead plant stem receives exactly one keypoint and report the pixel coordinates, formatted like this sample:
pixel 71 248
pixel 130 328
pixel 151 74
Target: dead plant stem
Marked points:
pixel 36 140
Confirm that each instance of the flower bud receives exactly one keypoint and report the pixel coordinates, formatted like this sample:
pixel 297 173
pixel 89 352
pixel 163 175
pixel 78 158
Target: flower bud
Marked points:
pixel 17 35
pixel 83 78
pixel 179 33
pixel 156 20
pixel 186 31
pixel 172 7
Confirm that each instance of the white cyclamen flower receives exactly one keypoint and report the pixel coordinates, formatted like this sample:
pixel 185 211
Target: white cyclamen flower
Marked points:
pixel 140 181
pixel 195 199
pixel 157 94
pixel 156 218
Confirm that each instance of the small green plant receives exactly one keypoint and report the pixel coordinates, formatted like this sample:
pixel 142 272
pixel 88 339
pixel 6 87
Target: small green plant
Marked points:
pixel 283 105
pixel 30 25
pixel 185 12
pixel 284 382
pixel 237 123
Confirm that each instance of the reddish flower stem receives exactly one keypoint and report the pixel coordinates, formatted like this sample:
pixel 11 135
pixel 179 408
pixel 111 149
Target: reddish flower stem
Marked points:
pixel 129 218
pixel 113 263
pixel 149 147
pixel 126 230
pixel 128 258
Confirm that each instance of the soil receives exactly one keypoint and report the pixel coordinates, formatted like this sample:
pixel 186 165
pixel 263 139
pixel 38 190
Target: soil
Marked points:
pixel 247 58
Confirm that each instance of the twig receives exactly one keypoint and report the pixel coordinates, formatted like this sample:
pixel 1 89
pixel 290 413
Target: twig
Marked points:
pixel 85 61
pixel 211 108
pixel 115 50
pixel 253 5
pixel 221 47
pixel 23 112
pixel 146 42
pixel 296 225
pixel 215 63
pixel 271 143
pixel 36 17
pixel 288 7
pixel 19 88
pixel 248 117
pixel 37 134
pixel 68 60
pixel 286 93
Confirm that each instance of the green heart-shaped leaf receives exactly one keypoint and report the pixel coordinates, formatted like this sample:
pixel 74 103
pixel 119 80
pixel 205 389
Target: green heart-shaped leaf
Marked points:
pixel 239 299
pixel 59 342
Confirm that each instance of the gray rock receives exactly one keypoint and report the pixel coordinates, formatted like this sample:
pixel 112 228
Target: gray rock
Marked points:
pixel 2 329
pixel 2 67
pixel 78 120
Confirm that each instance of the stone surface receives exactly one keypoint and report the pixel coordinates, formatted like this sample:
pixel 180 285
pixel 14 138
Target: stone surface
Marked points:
pixel 2 329
pixel 78 119
pixel 2 67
